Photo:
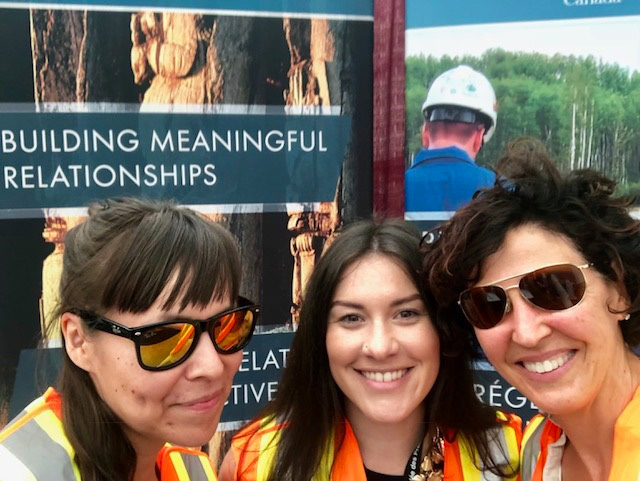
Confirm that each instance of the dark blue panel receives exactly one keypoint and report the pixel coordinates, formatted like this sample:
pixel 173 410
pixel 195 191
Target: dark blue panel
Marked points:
pixel 69 159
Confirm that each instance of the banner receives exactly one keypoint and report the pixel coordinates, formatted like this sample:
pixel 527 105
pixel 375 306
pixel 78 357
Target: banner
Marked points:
pixel 567 72
pixel 564 71
pixel 255 113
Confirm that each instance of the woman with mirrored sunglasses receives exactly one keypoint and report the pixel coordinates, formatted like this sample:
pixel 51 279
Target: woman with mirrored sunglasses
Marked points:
pixel 544 269
pixel 153 331
pixel 372 390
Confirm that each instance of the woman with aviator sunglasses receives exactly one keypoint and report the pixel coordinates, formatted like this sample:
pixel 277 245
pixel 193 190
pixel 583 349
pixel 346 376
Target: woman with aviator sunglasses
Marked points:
pixel 153 331
pixel 545 268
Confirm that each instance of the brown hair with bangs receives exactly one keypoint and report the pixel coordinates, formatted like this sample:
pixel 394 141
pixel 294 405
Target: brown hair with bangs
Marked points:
pixel 124 257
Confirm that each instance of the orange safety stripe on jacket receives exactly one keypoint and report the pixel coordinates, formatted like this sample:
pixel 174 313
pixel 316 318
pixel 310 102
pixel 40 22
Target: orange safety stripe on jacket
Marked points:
pixel 539 434
pixel 625 463
pixel 626 442
pixel 38 428
pixel 259 441
pixel 183 464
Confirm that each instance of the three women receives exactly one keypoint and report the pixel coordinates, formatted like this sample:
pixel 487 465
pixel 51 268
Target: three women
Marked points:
pixel 541 270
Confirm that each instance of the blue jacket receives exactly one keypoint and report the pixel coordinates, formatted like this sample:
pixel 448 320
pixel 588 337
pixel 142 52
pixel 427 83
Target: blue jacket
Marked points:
pixel 443 180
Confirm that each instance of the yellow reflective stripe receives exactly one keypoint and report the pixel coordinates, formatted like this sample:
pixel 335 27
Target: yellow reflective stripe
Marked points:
pixel 50 423
pixel 530 450
pixel 267 451
pixel 11 469
pixel 469 470
pixel 35 404
pixel 23 418
pixel 326 463
pixel 206 465
pixel 531 428
pixel 178 465
pixel 512 446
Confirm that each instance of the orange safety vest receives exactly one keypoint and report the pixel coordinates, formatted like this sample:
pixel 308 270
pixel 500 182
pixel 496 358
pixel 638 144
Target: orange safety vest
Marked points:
pixel 625 464
pixel 34 447
pixel 255 447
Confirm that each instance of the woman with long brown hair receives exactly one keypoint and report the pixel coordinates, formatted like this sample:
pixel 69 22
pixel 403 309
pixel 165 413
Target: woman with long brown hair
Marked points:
pixel 374 388
pixel 153 330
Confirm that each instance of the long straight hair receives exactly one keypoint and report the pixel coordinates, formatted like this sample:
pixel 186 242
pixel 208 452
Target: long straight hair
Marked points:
pixel 123 257
pixel 309 400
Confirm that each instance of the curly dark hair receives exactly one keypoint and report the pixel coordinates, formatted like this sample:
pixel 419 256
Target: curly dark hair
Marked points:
pixel 581 205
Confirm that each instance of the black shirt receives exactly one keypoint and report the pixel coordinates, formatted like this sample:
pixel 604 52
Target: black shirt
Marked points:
pixel 373 476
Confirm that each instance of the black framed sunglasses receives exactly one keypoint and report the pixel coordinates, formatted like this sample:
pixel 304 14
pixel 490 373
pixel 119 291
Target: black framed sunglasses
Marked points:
pixel 553 288
pixel 166 344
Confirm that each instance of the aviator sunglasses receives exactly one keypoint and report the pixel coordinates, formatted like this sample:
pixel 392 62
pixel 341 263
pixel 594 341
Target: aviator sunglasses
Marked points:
pixel 166 344
pixel 552 288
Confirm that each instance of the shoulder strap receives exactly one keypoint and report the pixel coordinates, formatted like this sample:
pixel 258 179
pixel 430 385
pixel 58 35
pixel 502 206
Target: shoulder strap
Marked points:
pixel 34 447
pixel 182 464
pixel 461 461
pixel 536 438
pixel 254 449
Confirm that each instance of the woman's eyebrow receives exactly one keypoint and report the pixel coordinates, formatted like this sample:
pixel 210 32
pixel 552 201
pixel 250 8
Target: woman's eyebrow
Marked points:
pixel 355 305
pixel 410 298
pixel 395 302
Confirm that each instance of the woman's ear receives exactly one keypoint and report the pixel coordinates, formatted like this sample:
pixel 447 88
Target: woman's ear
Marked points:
pixel 76 341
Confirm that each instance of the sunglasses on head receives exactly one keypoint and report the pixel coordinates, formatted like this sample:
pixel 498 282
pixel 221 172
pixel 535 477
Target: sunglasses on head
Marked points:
pixel 552 288
pixel 169 343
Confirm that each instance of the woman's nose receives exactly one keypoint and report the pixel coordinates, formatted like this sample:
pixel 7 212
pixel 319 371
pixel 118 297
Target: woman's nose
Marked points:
pixel 528 322
pixel 381 341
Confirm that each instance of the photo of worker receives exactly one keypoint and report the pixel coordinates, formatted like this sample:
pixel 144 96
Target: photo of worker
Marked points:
pixel 460 114
pixel 565 72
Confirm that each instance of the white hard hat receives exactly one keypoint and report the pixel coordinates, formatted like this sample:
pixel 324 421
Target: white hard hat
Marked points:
pixel 458 95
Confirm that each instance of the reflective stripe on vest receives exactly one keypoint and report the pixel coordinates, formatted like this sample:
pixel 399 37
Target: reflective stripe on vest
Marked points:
pixel 625 462
pixel 266 444
pixel 182 464
pixel 36 441
pixel 531 447
pixel 504 444
pixel 33 447
pixel 255 450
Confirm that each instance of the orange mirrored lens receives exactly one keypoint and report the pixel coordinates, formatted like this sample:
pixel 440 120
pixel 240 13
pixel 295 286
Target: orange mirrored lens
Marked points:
pixel 233 330
pixel 166 345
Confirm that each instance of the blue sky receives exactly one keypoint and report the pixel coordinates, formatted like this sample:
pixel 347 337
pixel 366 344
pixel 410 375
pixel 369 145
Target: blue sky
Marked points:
pixel 609 39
